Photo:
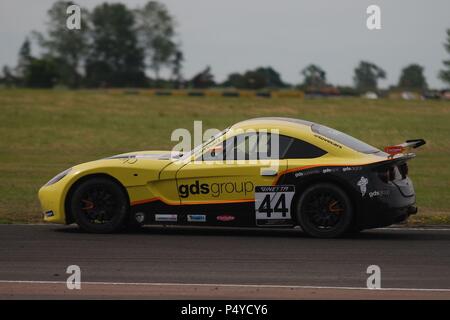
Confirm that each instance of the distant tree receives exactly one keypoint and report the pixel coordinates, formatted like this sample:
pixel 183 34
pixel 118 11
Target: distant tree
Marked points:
pixel 314 76
pixel 156 31
pixel 177 65
pixel 271 77
pixel 262 77
pixel 41 73
pixel 33 72
pixel 255 80
pixel 68 48
pixel 444 75
pixel 347 91
pixel 367 75
pixel 25 58
pixel 235 80
pixel 412 77
pixel 203 79
pixel 8 79
pixel 115 59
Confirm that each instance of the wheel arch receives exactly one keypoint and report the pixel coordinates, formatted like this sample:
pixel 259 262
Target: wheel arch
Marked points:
pixel 68 214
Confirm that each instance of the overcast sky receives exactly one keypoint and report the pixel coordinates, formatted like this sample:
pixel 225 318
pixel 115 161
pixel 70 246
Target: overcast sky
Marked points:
pixel 237 35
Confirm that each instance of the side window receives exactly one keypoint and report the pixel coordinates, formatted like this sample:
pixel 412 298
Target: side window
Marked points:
pixel 261 146
pixel 299 149
pixel 215 153
pixel 257 146
pixel 243 147
pixel 248 146
pixel 240 147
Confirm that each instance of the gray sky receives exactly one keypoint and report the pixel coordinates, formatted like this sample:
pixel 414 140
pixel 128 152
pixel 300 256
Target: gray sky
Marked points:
pixel 236 35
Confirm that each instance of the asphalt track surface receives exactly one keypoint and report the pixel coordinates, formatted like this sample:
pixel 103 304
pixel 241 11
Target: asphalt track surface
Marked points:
pixel 212 263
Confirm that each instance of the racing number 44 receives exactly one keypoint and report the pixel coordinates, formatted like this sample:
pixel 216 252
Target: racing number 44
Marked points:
pixel 280 206
pixel 273 205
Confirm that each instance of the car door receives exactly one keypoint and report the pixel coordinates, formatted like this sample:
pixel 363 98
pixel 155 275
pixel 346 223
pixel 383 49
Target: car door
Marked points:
pixel 233 172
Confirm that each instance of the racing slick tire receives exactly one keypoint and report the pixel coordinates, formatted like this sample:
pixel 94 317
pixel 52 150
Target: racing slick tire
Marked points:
pixel 324 211
pixel 99 205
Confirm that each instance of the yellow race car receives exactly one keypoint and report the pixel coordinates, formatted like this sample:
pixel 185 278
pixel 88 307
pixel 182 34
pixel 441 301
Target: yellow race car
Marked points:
pixel 263 172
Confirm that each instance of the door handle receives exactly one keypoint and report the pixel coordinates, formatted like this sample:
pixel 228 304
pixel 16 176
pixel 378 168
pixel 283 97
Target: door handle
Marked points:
pixel 269 172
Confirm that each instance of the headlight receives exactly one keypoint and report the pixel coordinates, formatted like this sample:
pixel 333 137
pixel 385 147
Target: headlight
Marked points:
pixel 58 177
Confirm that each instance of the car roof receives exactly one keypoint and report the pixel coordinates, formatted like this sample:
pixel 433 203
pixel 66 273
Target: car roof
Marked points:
pixel 300 129
pixel 273 121
pixel 296 128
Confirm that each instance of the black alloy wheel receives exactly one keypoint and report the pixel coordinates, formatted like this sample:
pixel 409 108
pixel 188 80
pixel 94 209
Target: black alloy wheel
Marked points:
pixel 324 211
pixel 99 205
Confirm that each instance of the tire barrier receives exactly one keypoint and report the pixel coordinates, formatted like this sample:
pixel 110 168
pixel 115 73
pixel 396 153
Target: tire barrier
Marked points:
pixel 213 93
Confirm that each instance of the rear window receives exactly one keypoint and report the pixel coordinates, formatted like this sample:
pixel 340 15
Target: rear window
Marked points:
pixel 344 139
pixel 291 148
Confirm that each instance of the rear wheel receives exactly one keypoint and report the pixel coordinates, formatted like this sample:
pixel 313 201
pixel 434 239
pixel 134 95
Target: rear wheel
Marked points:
pixel 324 211
pixel 99 205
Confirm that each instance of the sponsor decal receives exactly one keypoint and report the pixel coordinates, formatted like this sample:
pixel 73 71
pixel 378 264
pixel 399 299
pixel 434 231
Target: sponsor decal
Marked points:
pixel 49 213
pixel 215 189
pixel 327 170
pixel 306 173
pixel 196 218
pixel 379 193
pixel 225 218
pixel 185 190
pixel 330 170
pixel 329 141
pixel 362 184
pixel 346 169
pixel 393 150
pixel 166 217
pixel 140 217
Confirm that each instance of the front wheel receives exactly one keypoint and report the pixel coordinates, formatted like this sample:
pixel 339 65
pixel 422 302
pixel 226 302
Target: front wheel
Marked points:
pixel 324 211
pixel 99 205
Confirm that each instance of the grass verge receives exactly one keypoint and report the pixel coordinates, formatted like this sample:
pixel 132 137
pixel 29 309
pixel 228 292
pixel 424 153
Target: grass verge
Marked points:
pixel 46 131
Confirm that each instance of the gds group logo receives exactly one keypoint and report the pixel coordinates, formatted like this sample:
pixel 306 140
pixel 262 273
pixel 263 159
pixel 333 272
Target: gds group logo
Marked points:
pixel 215 189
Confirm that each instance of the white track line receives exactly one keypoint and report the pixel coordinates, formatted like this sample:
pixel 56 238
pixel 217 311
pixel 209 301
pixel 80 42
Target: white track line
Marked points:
pixel 411 229
pixel 223 285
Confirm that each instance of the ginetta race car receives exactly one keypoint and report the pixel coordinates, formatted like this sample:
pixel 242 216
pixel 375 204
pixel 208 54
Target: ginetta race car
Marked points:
pixel 315 177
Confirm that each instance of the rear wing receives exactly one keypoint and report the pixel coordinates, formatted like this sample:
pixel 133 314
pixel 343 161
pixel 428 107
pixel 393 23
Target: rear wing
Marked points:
pixel 404 147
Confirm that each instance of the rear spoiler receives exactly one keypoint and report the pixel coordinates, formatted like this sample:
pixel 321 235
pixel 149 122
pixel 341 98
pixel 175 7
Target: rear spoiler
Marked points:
pixel 404 147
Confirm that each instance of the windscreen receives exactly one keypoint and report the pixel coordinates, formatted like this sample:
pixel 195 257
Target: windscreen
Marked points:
pixel 204 145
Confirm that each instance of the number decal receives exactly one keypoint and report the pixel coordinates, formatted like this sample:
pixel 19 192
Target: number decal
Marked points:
pixel 282 201
pixel 265 206
pixel 273 205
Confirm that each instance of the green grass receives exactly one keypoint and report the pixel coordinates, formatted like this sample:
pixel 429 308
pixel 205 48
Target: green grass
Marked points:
pixel 46 131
